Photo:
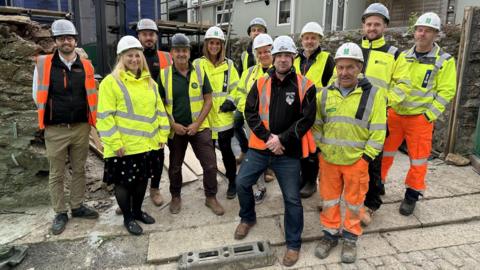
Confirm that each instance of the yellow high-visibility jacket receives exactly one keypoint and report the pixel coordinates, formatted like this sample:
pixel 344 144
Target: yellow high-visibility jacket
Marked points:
pixel 249 76
pixel 315 72
pixel 434 83
pixel 197 77
pixel 223 79
pixel 131 114
pixel 348 127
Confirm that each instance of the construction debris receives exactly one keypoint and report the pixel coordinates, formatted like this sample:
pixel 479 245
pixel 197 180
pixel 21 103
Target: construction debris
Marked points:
pixel 457 160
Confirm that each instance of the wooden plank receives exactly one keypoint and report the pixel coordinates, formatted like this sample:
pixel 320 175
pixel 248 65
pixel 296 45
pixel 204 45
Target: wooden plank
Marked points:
pixel 192 162
pixel 187 174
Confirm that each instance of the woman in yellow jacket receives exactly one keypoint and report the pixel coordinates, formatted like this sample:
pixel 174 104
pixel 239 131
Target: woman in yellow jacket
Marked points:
pixel 133 127
pixel 224 79
pixel 262 49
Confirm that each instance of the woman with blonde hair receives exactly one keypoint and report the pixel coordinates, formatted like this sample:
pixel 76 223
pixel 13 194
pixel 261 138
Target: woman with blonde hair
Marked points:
pixel 133 127
pixel 223 77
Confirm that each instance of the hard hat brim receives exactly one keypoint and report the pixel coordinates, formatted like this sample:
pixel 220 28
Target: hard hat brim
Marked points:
pixel 426 25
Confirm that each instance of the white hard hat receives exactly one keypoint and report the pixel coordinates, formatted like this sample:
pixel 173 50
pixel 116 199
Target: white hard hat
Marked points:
pixel 349 50
pixel 127 43
pixel 215 32
pixel 257 21
pixel 63 27
pixel 429 19
pixel 376 9
pixel 312 27
pixel 284 44
pixel 147 24
pixel 262 40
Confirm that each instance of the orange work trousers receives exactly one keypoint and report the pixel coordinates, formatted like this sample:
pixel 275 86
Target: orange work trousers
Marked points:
pixel 352 180
pixel 417 131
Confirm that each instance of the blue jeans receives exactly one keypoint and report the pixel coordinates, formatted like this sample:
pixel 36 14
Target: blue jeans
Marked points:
pixel 287 170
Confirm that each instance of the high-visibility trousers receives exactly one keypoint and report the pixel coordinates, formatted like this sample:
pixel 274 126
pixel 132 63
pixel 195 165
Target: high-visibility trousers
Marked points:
pixel 352 180
pixel 417 131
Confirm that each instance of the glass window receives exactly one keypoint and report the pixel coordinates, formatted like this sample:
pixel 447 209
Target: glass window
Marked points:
pixel 283 16
pixel 225 12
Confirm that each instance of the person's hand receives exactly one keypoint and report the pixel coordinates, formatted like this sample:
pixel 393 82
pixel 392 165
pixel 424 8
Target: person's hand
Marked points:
pixel 179 129
pixel 227 106
pixel 120 152
pixel 192 128
pixel 275 145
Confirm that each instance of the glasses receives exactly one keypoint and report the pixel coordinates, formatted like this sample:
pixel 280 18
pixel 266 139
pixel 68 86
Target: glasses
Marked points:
pixel 65 38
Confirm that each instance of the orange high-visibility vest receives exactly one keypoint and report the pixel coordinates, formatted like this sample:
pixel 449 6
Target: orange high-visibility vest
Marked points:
pixel 44 65
pixel 164 59
pixel 264 87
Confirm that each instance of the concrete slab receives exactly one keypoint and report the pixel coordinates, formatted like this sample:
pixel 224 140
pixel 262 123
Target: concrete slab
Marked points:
pixel 187 174
pixel 20 222
pixel 167 246
pixel 220 166
pixel 448 210
pixel 387 218
pixel 192 162
pixel 434 237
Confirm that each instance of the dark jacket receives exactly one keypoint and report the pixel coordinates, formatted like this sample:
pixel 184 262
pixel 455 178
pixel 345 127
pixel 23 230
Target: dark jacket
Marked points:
pixel 305 65
pixel 289 120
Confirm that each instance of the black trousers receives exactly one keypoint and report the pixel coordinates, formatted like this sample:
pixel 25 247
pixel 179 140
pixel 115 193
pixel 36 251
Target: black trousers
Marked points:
pixel 309 169
pixel 225 144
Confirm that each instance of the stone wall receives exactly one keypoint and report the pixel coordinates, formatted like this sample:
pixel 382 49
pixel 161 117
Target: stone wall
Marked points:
pixel 449 40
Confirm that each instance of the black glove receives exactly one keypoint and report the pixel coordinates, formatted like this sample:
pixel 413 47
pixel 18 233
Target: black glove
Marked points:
pixel 228 106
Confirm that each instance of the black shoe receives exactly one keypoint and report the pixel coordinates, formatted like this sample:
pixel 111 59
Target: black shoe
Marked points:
pixel 133 227
pixel 308 190
pixel 231 192
pixel 407 206
pixel 145 218
pixel 84 212
pixel 381 189
pixel 59 223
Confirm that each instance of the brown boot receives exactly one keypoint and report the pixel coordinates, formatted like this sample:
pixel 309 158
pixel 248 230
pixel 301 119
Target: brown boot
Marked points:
pixel 291 257
pixel 156 196
pixel 242 230
pixel 175 205
pixel 269 176
pixel 212 203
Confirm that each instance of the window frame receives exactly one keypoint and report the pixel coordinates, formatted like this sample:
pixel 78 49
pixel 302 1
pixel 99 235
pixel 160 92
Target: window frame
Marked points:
pixel 278 13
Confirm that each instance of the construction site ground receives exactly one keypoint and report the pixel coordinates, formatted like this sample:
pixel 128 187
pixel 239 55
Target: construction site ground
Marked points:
pixel 443 232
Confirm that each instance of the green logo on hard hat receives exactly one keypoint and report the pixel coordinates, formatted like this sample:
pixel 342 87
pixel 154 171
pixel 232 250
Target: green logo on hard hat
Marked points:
pixel 429 20
pixel 215 33
pixel 194 85
pixel 346 51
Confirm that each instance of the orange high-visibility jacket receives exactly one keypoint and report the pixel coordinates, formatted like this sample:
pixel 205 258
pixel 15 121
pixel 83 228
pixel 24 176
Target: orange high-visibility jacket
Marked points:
pixel 44 65
pixel 264 86
pixel 164 59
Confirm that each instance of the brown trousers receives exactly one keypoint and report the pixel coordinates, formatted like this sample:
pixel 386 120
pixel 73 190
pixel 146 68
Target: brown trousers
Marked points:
pixel 203 148
pixel 62 141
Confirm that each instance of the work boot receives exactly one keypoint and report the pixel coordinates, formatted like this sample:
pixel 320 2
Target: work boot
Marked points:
pixel 118 211
pixel 231 191
pixel 84 212
pixel 175 205
pixel 59 223
pixel 214 205
pixel 133 227
pixel 269 176
pixel 240 158
pixel 324 246
pixel 367 216
pixel 259 195
pixel 242 230
pixel 291 257
pixel 145 218
pixel 308 189
pixel 349 251
pixel 156 196
pixel 407 206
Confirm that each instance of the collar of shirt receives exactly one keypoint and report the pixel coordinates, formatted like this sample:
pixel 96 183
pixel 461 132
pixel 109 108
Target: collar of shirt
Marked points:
pixel 190 68
pixel 66 62
pixel 312 56
pixel 290 76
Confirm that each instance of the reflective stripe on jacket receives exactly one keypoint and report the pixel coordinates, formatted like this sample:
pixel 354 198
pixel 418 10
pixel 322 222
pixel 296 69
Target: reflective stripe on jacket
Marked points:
pixel 264 86
pixel 433 83
pixel 131 114
pixel 224 80
pixel 249 76
pixel 347 127
pixel 44 65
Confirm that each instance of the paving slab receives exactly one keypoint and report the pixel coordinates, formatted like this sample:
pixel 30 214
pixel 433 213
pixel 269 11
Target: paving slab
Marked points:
pixel 434 237
pixel 448 210
pixel 20 222
pixel 387 218
pixel 220 166
pixel 167 246
pixel 192 162
pixel 187 174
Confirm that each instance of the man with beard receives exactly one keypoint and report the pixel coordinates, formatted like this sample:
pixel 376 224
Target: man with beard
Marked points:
pixel 280 110
pixel 65 94
pixel 147 32
pixel 187 95
pixel 317 66
pixel 386 71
